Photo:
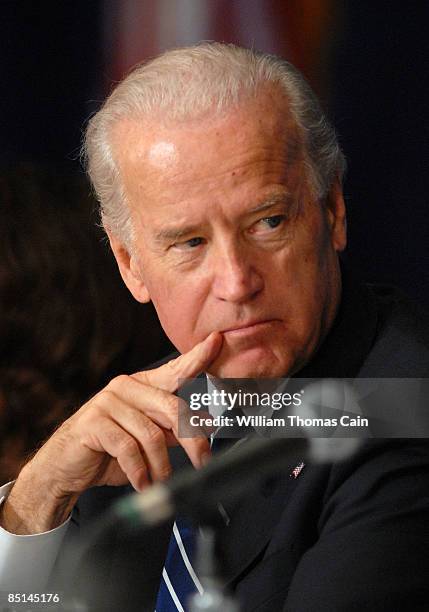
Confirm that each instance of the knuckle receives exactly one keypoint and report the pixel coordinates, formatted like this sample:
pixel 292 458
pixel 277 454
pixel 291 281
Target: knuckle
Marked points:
pixel 142 377
pixel 182 406
pixel 138 471
pixel 127 445
pixel 181 411
pixel 104 399
pixel 173 365
pixel 172 404
pixel 164 472
pixel 96 410
pixel 154 435
pixel 118 382
pixel 81 420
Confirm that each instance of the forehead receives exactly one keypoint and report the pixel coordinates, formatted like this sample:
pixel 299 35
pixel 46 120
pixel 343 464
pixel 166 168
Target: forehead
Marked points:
pixel 165 163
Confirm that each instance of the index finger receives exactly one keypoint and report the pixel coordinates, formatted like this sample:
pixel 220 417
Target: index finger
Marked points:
pixel 188 365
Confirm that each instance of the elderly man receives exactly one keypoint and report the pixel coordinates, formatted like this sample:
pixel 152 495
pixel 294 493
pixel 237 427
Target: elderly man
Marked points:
pixel 219 181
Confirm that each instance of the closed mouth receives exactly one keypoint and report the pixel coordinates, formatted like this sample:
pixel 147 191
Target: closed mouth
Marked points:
pixel 249 326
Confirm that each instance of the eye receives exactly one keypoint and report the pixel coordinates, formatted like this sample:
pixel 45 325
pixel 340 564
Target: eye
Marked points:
pixel 268 225
pixel 192 243
pixel 274 221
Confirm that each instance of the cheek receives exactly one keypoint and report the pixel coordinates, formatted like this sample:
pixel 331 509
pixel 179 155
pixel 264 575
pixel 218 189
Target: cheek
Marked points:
pixel 302 274
pixel 314 248
pixel 178 311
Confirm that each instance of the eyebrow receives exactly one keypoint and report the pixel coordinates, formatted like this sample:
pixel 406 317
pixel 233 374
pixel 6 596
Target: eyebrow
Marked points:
pixel 175 234
pixel 278 198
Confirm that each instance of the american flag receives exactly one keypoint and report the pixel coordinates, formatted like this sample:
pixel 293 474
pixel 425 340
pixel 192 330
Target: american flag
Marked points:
pixel 297 470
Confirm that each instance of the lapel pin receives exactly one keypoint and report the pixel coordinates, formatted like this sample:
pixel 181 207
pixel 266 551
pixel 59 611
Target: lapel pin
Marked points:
pixel 297 470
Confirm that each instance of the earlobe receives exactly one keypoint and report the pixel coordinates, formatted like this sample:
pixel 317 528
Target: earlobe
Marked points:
pixel 129 269
pixel 337 216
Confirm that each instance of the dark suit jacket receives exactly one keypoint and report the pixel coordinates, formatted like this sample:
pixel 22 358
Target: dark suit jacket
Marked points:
pixel 343 537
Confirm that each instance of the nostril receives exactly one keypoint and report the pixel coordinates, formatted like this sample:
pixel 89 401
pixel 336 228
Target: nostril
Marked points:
pixel 238 288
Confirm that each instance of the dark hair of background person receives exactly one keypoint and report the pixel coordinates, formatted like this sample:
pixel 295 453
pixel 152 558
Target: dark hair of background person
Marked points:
pixel 67 322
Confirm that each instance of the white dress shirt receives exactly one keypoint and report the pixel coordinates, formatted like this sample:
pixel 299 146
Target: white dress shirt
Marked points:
pixel 26 561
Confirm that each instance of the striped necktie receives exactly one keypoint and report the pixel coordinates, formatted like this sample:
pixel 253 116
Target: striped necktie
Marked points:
pixel 179 579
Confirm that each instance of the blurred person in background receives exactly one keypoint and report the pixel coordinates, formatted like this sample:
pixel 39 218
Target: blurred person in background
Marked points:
pixel 59 343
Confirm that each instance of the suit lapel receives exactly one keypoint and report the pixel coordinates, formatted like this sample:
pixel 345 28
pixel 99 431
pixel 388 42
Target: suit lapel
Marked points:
pixel 250 521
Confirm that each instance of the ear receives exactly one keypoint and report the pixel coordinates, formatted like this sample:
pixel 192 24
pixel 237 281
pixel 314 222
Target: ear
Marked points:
pixel 130 270
pixel 336 211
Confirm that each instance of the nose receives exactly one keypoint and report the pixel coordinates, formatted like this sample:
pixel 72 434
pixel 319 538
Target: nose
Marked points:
pixel 236 278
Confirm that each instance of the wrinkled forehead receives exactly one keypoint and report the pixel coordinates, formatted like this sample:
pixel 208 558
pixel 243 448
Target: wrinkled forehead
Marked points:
pixel 154 139
pixel 161 162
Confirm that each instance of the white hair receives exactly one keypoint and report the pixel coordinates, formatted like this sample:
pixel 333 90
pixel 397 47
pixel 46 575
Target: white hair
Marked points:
pixel 191 82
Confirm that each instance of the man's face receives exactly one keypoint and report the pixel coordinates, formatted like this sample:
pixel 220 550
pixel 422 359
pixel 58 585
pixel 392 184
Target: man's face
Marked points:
pixel 229 237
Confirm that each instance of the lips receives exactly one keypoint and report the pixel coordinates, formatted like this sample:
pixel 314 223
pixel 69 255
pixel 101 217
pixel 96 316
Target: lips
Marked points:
pixel 248 327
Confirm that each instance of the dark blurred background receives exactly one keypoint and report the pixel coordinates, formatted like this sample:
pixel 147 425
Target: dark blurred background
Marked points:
pixel 367 60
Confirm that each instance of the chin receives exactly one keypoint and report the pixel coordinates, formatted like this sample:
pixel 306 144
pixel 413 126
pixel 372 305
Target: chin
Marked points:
pixel 251 364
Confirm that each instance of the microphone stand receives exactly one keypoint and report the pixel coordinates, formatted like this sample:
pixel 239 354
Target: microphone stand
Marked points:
pixel 196 494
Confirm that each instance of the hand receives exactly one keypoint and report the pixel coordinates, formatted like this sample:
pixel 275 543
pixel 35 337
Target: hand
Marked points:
pixel 121 435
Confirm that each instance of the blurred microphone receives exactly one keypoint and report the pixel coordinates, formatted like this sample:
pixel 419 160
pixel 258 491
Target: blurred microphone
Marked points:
pixel 227 477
